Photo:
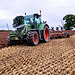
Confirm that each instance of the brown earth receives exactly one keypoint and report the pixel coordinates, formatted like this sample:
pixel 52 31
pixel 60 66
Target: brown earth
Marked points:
pixel 3 38
pixel 54 58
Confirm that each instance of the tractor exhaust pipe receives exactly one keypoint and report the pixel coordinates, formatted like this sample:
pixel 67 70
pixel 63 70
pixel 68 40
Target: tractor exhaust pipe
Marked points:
pixel 7 26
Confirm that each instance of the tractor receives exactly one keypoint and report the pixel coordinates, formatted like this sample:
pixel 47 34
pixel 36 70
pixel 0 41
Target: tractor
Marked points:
pixel 29 29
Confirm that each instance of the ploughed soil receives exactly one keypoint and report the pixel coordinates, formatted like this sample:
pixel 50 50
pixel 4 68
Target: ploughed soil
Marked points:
pixel 3 38
pixel 56 57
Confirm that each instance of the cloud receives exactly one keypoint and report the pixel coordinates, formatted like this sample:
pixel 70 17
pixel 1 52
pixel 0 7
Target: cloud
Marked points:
pixel 52 10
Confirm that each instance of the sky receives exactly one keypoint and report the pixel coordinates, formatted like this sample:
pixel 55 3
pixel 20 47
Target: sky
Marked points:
pixel 53 11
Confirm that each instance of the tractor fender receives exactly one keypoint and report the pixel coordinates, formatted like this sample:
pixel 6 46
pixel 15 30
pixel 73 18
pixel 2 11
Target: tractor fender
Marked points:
pixel 44 26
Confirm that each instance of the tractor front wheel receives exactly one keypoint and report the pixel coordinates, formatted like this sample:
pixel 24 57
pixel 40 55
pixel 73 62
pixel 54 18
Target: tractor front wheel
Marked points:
pixel 10 42
pixel 32 38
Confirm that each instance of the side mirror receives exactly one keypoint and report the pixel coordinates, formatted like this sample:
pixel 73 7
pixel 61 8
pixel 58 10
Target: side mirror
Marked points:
pixel 44 21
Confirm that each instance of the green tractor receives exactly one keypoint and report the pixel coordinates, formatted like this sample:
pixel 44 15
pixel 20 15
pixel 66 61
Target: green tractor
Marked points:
pixel 29 29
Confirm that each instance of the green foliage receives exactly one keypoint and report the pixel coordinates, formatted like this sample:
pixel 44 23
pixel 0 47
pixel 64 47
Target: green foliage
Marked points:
pixel 69 22
pixel 18 21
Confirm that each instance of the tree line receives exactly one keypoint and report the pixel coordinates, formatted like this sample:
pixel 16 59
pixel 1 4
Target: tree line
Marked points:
pixel 69 22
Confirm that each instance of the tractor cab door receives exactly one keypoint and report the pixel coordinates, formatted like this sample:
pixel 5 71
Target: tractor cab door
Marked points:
pixel 37 21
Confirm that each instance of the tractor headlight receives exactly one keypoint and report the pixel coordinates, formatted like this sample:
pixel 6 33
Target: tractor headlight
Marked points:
pixel 16 38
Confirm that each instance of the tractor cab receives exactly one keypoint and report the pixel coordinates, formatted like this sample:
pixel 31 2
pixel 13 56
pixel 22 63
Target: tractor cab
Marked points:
pixel 21 23
pixel 34 20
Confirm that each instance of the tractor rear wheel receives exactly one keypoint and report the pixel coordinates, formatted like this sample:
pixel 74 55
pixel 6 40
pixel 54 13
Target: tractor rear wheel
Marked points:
pixel 46 34
pixel 32 38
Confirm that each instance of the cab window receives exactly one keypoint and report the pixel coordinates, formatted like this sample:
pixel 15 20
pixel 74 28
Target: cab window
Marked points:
pixel 37 20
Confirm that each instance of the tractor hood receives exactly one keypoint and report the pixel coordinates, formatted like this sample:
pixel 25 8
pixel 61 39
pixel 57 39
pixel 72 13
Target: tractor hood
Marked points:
pixel 21 30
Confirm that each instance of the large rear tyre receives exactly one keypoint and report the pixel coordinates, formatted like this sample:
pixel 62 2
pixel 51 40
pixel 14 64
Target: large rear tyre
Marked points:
pixel 46 34
pixel 32 38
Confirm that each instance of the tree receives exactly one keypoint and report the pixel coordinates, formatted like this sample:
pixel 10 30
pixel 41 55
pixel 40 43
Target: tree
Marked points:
pixel 17 21
pixel 69 22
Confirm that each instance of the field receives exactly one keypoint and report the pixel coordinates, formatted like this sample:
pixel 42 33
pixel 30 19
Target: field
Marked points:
pixel 54 58
pixel 3 38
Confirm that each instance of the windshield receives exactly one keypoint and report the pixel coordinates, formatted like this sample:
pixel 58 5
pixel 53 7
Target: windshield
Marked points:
pixel 29 19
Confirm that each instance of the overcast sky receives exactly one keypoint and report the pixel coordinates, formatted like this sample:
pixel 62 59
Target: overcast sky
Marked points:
pixel 52 10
